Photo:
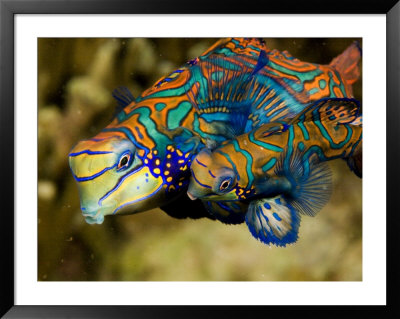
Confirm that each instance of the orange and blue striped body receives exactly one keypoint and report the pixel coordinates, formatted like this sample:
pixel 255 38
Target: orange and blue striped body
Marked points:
pixel 280 161
pixel 141 159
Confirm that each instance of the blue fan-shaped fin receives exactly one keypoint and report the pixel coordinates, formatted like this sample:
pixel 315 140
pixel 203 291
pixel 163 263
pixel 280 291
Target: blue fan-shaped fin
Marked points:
pixel 311 182
pixel 228 212
pixel 332 110
pixel 274 99
pixel 273 221
pixel 123 96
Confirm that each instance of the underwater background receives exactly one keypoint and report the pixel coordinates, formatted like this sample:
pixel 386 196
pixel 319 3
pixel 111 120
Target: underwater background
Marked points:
pixel 75 79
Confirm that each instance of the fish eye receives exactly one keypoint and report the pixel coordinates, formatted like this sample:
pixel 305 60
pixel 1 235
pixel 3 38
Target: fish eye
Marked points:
pixel 225 184
pixel 124 161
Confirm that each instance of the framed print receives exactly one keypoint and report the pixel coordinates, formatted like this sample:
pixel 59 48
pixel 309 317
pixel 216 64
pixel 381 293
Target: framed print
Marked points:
pixel 236 133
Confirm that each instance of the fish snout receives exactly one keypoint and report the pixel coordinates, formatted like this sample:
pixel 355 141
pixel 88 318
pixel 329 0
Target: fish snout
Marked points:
pixel 93 217
pixel 192 197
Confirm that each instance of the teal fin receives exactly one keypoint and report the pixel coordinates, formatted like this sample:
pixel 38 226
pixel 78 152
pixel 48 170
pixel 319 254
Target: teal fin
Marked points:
pixel 218 82
pixel 331 110
pixel 228 212
pixel 273 221
pixel 311 183
pixel 219 90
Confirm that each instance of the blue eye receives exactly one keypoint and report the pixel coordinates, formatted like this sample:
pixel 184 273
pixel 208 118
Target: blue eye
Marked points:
pixel 124 161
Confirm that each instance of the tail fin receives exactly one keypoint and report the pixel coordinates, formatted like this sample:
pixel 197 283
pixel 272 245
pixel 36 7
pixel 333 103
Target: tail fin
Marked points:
pixel 355 162
pixel 347 63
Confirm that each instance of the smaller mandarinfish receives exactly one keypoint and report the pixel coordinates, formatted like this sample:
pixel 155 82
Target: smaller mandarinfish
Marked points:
pixel 279 170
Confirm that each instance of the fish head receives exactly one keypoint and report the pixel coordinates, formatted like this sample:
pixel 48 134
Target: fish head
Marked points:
pixel 213 177
pixel 113 178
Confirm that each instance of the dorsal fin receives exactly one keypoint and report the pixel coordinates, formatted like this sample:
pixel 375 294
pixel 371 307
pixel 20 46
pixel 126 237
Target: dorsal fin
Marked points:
pixel 220 89
pixel 261 62
pixel 123 96
pixel 334 110
pixel 219 84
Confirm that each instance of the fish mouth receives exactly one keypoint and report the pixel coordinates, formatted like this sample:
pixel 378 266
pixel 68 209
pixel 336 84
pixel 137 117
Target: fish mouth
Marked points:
pixel 191 196
pixel 94 218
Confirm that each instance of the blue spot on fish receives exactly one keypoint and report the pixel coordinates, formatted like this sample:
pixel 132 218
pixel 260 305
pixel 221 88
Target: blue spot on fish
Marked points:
pixel 267 206
pixel 138 131
pixel 276 216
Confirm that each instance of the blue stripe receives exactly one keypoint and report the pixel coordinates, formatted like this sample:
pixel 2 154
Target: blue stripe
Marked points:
pixel 269 165
pixel 286 163
pixel 138 132
pixel 119 184
pixel 88 178
pixel 276 216
pixel 249 163
pixel 138 200
pixel 89 152
pixel 303 128
pixel 200 163
pixel 230 161
pixel 267 146
pixel 198 182
pixel 326 135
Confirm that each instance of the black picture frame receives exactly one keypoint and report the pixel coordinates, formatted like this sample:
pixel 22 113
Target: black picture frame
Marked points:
pixel 8 10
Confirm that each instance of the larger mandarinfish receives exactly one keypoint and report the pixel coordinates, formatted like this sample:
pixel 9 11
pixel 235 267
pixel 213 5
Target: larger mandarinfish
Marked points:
pixel 142 159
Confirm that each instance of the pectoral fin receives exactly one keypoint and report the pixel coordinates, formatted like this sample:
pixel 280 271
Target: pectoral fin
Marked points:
pixel 273 221
pixel 228 212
